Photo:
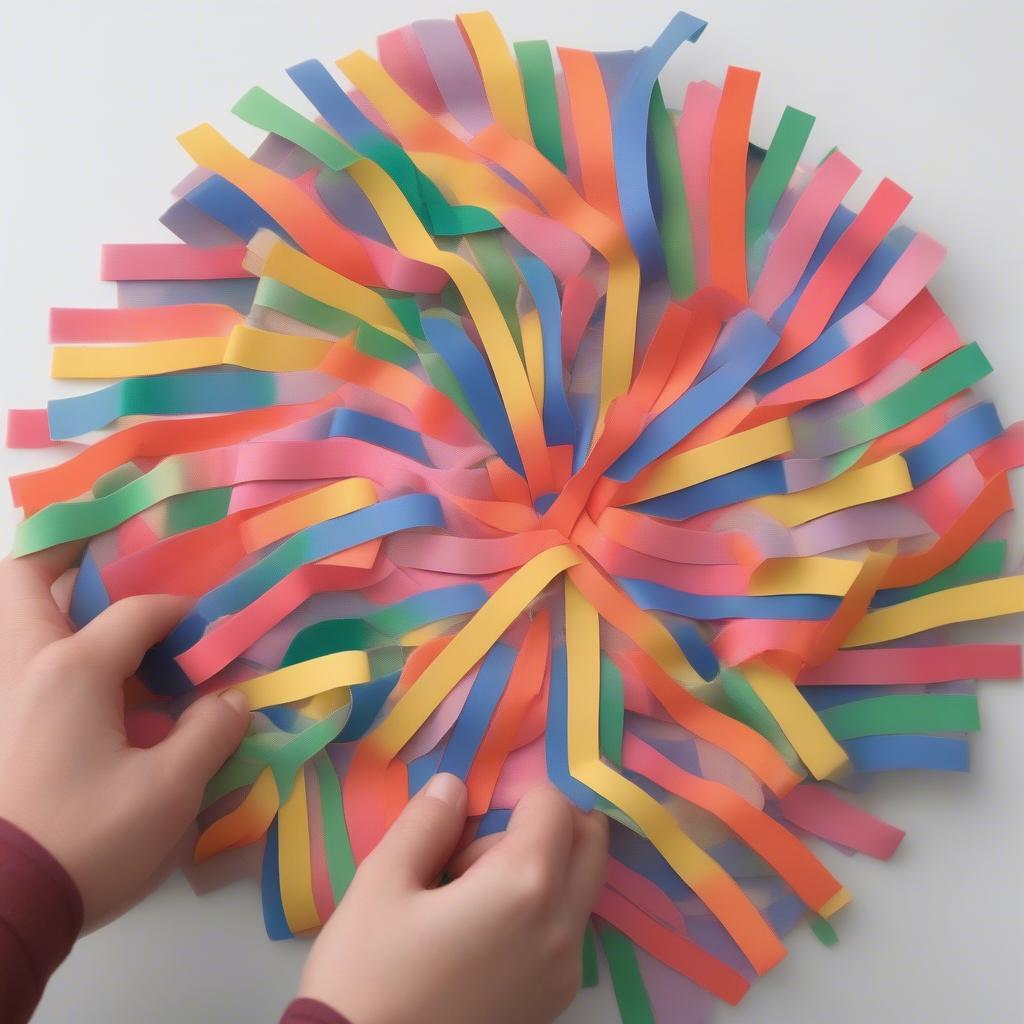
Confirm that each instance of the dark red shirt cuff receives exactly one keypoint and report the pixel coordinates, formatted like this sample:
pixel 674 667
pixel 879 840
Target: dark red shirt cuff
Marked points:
pixel 311 1011
pixel 40 918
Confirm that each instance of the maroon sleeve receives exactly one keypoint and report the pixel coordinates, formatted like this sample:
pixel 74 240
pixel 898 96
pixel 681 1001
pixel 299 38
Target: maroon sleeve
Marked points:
pixel 311 1011
pixel 40 918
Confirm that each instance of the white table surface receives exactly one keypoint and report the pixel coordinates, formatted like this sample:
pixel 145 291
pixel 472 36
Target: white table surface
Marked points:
pixel 925 91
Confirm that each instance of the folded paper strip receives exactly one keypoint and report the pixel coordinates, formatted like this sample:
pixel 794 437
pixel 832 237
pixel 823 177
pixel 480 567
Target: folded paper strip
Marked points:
pixel 501 419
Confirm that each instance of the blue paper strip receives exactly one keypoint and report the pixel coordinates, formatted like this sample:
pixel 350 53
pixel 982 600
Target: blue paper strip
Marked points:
pixel 962 434
pixel 559 426
pixel 749 340
pixel 908 752
pixel 172 394
pixel 556 751
pixel 704 607
pixel 475 717
pixel 471 371
pixel 629 140
pixel 381 432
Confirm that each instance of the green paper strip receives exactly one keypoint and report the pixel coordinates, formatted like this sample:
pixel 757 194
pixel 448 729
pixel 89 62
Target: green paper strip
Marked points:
pixel 341 865
pixel 981 562
pixel 284 299
pixel 284 753
pixel 288 761
pixel 627 981
pixel 330 637
pixel 842 461
pixel 903 713
pixel 611 724
pixel 674 222
pixel 385 347
pixel 538 73
pixel 503 279
pixel 408 314
pixel 958 371
pixel 236 773
pixel 453 221
pixel 985 560
pixel 776 171
pixel 591 975
pixel 199 508
pixel 73 520
pixel 612 712
pixel 749 709
pixel 258 108
pixel 823 930
pixel 117 478
pixel 438 371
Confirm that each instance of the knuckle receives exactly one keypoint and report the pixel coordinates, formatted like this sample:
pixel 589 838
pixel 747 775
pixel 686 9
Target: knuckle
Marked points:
pixel 561 945
pixel 128 612
pixel 59 662
pixel 531 886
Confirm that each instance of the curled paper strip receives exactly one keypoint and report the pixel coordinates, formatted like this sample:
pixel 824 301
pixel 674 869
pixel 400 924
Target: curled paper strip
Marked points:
pixel 504 419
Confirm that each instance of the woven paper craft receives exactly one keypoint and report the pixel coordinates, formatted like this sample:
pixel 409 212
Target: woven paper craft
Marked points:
pixel 503 421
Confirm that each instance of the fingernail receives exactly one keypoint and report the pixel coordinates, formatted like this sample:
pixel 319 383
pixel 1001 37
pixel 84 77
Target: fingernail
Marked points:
pixel 236 700
pixel 449 789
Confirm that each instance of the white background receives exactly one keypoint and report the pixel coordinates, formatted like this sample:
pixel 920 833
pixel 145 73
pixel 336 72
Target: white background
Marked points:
pixel 926 91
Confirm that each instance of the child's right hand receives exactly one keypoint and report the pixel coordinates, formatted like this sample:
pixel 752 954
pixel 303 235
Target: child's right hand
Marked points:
pixel 500 944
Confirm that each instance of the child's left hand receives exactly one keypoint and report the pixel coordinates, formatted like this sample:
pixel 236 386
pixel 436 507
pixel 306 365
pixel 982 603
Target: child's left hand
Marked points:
pixel 112 815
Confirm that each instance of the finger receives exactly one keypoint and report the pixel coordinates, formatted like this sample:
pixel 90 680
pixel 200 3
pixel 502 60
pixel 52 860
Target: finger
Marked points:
pixel 466 858
pixel 30 609
pixel 539 835
pixel 423 838
pixel 115 642
pixel 205 736
pixel 588 864
pixel 46 567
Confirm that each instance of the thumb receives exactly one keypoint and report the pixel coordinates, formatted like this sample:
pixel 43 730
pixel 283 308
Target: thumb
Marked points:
pixel 205 736
pixel 424 837
pixel 115 642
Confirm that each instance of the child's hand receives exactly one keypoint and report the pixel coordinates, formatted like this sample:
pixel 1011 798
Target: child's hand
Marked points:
pixel 112 815
pixel 501 943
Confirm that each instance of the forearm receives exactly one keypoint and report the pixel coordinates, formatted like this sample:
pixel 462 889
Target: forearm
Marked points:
pixel 40 918
pixel 311 1011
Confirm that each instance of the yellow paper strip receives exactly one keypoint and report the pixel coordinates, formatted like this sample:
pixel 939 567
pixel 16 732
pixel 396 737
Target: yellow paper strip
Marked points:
pixel 500 73
pixel 883 479
pixel 294 866
pixel 255 349
pixel 533 354
pixel 246 823
pixel 473 641
pixel 815 574
pixel 409 235
pixel 297 270
pixel 104 362
pixel 335 499
pixel 409 120
pixel 803 728
pixel 306 679
pixel 714 459
pixel 984 600
pixel 713 885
